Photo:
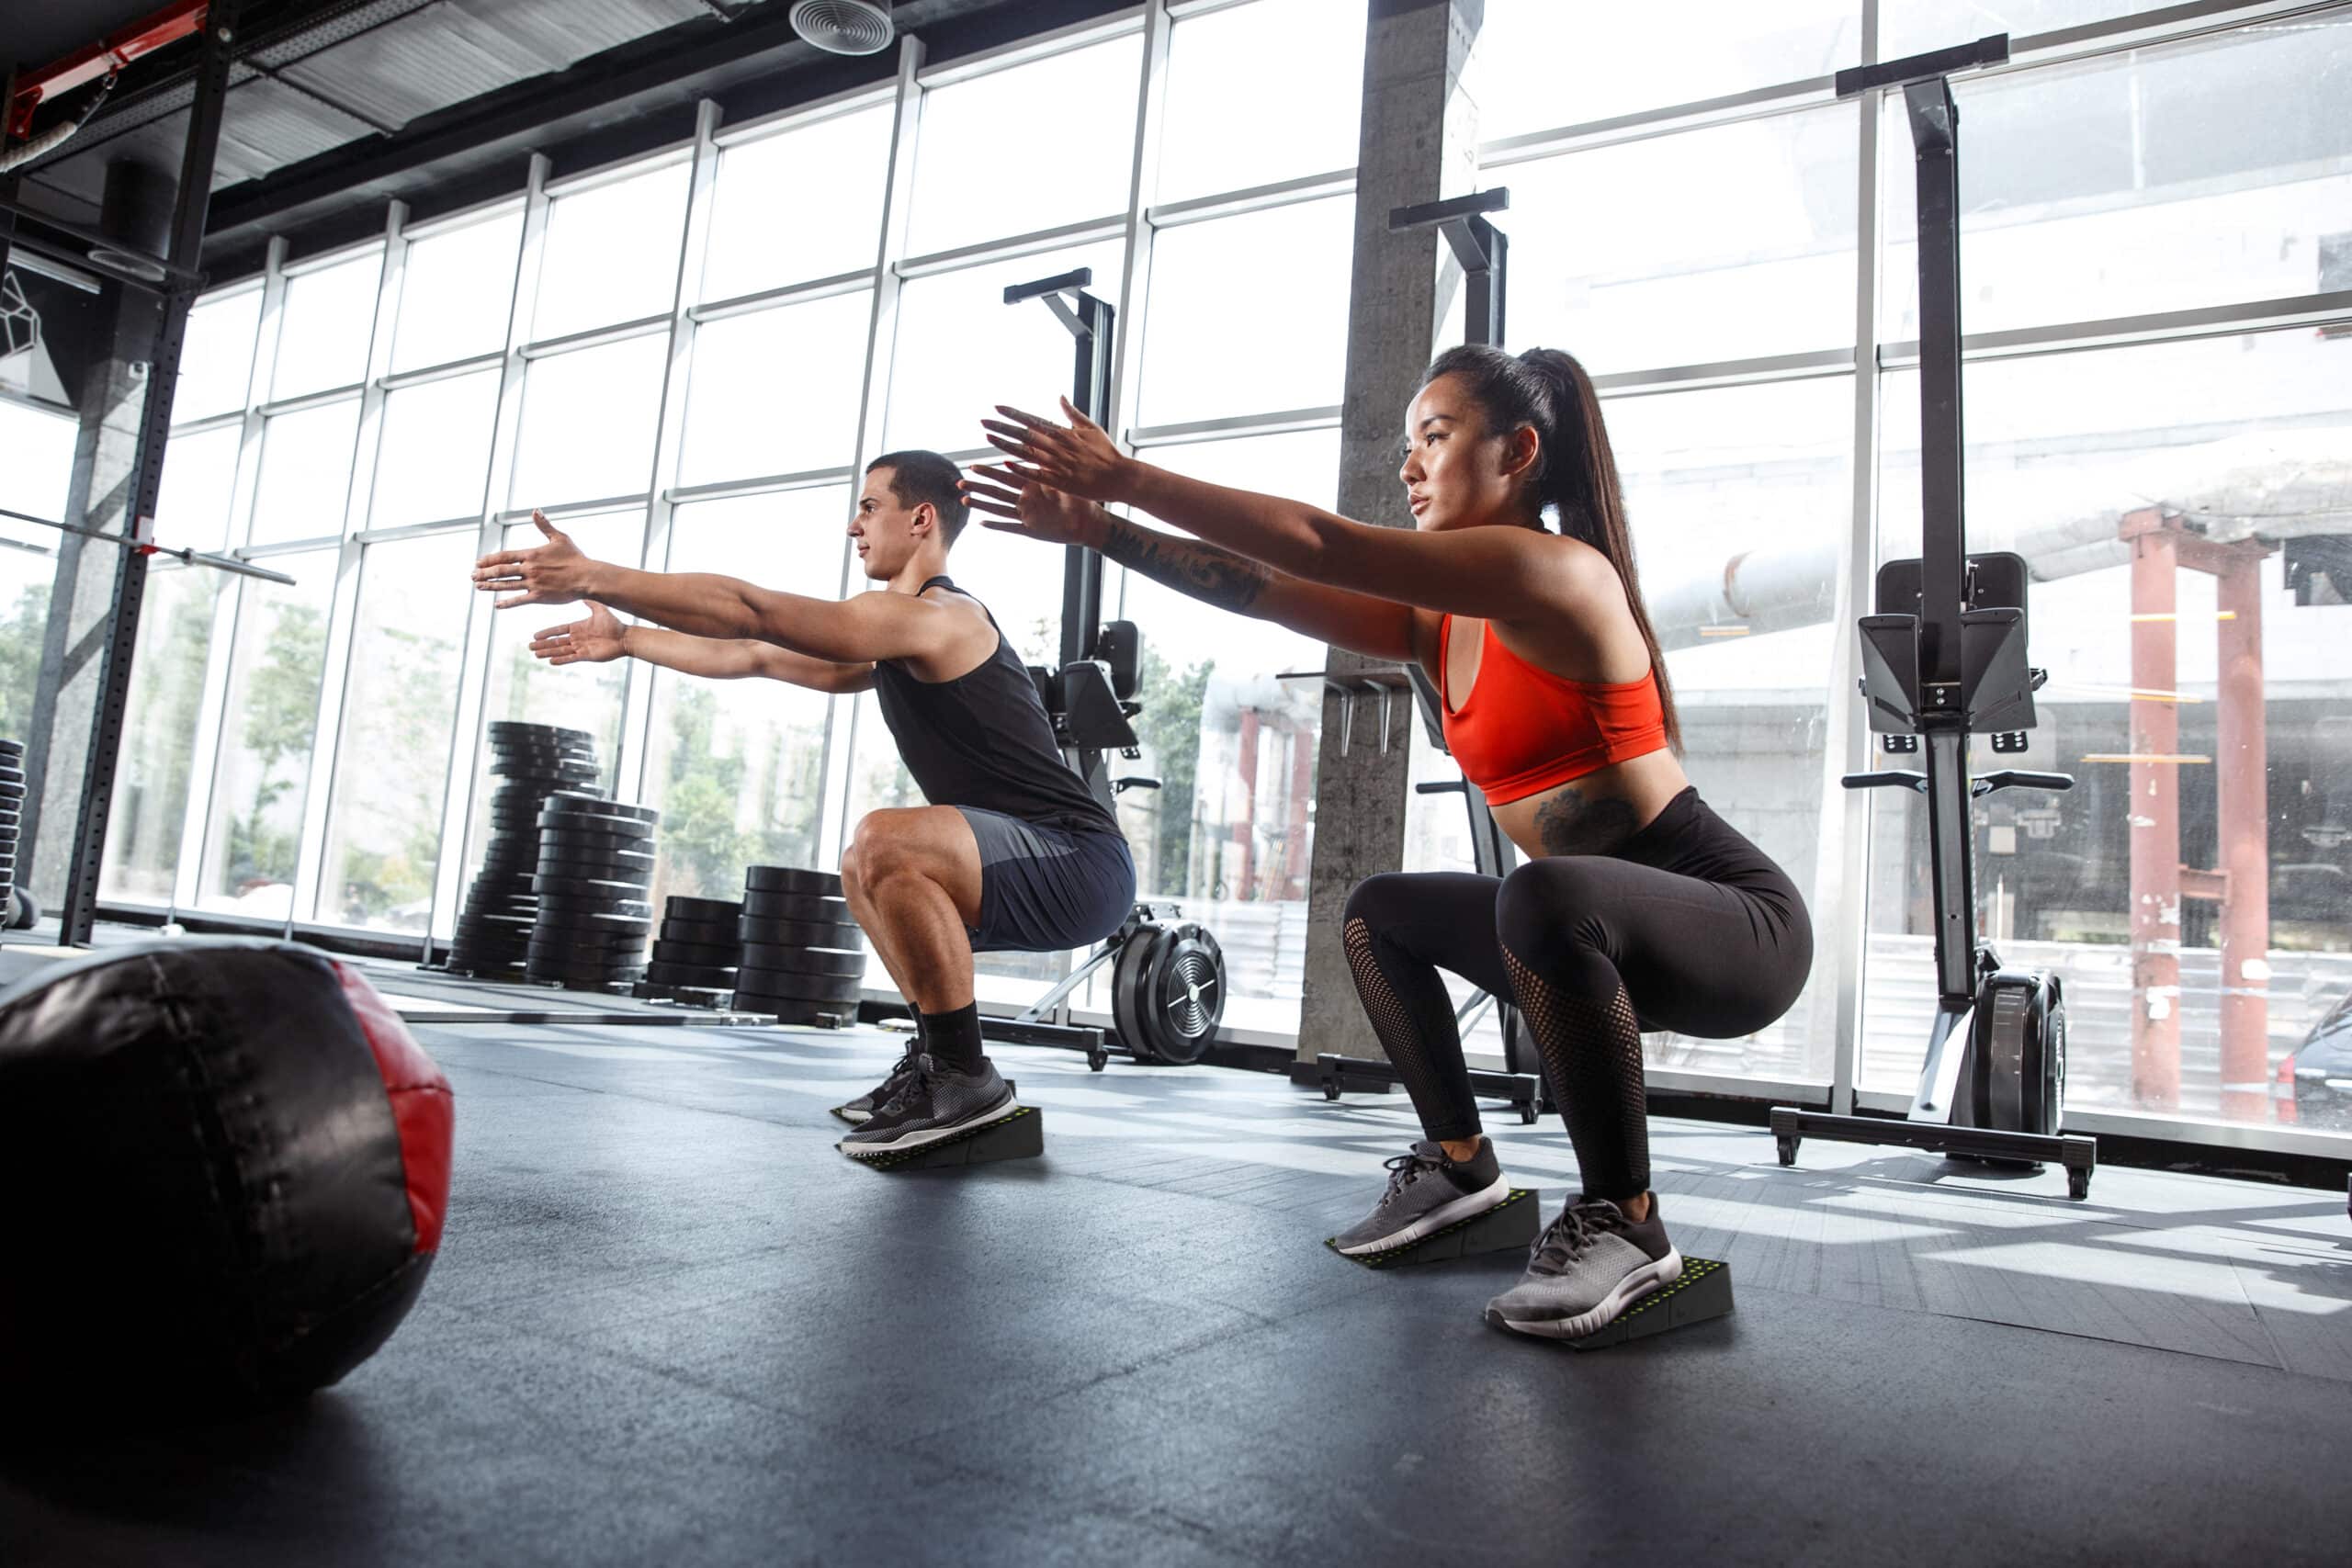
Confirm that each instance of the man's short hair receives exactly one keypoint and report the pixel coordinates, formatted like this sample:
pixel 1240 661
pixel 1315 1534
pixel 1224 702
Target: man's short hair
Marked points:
pixel 917 476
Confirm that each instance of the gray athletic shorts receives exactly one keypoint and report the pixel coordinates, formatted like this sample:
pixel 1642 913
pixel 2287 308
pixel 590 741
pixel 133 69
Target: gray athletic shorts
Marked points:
pixel 1044 889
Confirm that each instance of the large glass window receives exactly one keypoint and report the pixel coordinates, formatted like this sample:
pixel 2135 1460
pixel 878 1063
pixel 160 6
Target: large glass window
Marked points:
pixel 1540 64
pixel 305 473
pixel 775 392
pixel 612 252
pixel 199 477
pixel 761 234
pixel 324 327
pixel 434 455
pixel 2205 174
pixel 37 480
pixel 962 350
pixel 1298 66
pixel 456 290
pixel 1754 254
pixel 1081 104
pixel 383 835
pixel 217 354
pixel 2159 495
pixel 1913 27
pixel 738 767
pixel 1204 355
pixel 589 421
pixel 272 711
pixel 150 785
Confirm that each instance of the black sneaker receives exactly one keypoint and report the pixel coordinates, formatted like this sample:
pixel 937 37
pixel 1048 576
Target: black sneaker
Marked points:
pixel 859 1110
pixel 933 1103
pixel 1428 1192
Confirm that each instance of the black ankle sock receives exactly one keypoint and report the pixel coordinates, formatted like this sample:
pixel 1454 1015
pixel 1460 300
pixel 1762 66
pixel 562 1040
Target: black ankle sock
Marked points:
pixel 953 1038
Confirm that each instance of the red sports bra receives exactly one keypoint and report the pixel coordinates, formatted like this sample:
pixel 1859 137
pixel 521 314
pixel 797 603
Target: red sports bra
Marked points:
pixel 1524 731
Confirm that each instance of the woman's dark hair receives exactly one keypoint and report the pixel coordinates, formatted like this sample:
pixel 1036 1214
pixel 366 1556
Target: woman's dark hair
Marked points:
pixel 1576 473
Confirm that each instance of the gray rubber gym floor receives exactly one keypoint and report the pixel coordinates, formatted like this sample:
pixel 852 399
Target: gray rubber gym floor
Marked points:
pixel 671 1325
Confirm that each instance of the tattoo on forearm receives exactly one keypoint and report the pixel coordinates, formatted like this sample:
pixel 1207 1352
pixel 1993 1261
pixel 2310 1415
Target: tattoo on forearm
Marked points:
pixel 1205 572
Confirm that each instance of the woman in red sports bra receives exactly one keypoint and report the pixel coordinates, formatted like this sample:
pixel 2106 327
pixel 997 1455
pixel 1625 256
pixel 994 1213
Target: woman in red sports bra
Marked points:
pixel 1638 906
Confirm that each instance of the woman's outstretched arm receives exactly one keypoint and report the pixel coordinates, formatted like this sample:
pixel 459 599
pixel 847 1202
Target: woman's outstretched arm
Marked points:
pixel 1492 573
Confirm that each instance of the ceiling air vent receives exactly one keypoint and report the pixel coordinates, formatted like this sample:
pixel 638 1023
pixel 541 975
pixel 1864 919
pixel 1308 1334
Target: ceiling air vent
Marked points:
pixel 843 26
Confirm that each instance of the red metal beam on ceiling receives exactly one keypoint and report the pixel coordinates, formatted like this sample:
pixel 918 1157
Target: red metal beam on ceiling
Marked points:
pixel 34 88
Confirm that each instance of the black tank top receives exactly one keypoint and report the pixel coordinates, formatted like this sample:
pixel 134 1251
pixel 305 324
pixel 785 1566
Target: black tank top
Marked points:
pixel 983 740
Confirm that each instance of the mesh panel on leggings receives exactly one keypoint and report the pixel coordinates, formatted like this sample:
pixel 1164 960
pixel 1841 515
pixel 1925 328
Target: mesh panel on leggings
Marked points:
pixel 1592 1052
pixel 1447 1110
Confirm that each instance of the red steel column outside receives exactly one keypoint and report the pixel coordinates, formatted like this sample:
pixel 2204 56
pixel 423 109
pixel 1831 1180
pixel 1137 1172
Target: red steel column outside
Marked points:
pixel 2155 817
pixel 2244 809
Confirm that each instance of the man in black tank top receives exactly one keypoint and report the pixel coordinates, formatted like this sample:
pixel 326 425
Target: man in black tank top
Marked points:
pixel 1013 852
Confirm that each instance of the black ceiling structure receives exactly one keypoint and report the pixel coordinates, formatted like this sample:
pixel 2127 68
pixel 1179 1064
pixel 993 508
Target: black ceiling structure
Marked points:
pixel 337 106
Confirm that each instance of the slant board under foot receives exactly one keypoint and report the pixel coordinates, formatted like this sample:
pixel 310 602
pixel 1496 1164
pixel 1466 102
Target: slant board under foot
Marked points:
pixel 1020 1136
pixel 1509 1224
pixel 1703 1292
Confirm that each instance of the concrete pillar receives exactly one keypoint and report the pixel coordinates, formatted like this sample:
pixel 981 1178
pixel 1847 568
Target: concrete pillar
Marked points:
pixel 1417 142
pixel 138 209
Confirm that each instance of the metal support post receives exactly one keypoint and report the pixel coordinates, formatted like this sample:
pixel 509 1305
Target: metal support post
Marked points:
pixel 78 913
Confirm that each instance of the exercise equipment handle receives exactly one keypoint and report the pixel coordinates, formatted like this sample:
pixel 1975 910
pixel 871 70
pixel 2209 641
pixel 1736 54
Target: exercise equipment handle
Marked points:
pixel 1900 778
pixel 2012 778
pixel 1134 781
pixel 1444 786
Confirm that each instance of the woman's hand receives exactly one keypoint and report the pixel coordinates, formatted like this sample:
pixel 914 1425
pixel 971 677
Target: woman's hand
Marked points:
pixel 1037 511
pixel 1080 459
pixel 599 640
pixel 552 574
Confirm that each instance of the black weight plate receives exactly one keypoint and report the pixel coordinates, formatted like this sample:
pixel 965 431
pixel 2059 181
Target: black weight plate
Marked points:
pixel 788 879
pixel 561 919
pixel 702 997
pixel 708 955
pixel 797 906
pixel 662 974
pixel 12 792
pixel 589 889
pixel 585 932
pixel 708 933
pixel 9 775
pixel 534 727
pixel 571 857
pixel 586 943
pixel 680 908
pixel 525 762
pixel 780 987
pixel 556 965
pixel 803 960
pixel 585 825
pixel 798 933
pixel 544 776
pixel 646 814
pixel 791 1012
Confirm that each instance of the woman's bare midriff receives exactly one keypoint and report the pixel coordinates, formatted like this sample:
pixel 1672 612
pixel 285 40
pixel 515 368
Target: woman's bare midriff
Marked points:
pixel 1593 815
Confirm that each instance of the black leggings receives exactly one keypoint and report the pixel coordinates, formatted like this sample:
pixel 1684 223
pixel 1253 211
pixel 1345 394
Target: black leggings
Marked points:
pixel 1687 927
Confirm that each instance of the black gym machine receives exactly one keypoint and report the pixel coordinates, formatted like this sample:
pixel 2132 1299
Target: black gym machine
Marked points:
pixel 1943 660
pixel 1167 975
pixel 1483 252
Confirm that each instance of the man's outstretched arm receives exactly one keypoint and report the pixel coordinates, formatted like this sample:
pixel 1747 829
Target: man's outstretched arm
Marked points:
pixel 857 630
pixel 602 637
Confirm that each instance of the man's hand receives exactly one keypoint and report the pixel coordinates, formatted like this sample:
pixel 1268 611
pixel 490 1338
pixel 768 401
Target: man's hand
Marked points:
pixel 552 574
pixel 1080 460
pixel 1037 511
pixel 596 640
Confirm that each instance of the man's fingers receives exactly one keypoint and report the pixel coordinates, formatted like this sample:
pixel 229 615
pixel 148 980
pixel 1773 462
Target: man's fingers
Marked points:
pixel 515 601
pixel 540 519
pixel 1031 420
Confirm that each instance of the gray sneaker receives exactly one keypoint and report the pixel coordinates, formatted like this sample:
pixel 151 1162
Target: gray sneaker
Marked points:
pixel 931 1102
pixel 859 1110
pixel 1586 1267
pixel 1427 1192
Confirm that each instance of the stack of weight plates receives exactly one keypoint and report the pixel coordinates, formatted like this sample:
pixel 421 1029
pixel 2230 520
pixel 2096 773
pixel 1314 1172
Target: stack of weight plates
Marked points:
pixel 803 959
pixel 696 953
pixel 595 863
pixel 12 807
pixel 535 759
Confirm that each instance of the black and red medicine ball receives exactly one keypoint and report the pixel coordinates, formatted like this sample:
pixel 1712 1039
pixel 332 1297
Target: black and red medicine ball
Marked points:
pixel 226 1163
